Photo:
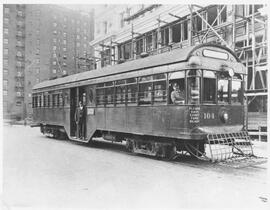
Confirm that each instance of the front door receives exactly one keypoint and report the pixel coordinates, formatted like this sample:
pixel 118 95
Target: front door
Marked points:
pixel 77 95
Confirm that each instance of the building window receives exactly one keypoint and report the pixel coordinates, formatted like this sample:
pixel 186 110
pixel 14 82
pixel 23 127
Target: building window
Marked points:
pixel 5 30
pixel 84 45
pixel 211 15
pixel 64 64
pixel 54 32
pixel 18 93
pixel 5 41
pixel 78 44
pixel 85 38
pixel 37 60
pixel 38 42
pixel 65 34
pixel 64 49
pixel 54 40
pixel 38 12
pixel 176 33
pixel 5 51
pixel 20 13
pixel 65 56
pixel 20 23
pixel 240 10
pixel 54 24
pixel 20 33
pixel 65 19
pixel 6 10
pixel 19 43
pixel 54 62
pixel 54 71
pixel 6 21
pixel 6 63
pixel 37 80
pixel 64 41
pixel 19 54
pixel 165 36
pixel 38 32
pixel 5 84
pixel 5 92
pixel 78 36
pixel 54 17
pixel 37 51
pixel 54 47
pixel 37 70
pixel 19 63
pixel 54 55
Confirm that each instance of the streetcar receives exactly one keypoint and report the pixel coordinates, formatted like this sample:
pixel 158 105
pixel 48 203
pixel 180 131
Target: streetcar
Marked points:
pixel 131 102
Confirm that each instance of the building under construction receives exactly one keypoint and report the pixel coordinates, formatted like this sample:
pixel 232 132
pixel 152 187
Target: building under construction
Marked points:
pixel 127 32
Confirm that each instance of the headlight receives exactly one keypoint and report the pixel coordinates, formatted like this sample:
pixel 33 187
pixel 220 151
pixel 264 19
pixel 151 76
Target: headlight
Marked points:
pixel 224 116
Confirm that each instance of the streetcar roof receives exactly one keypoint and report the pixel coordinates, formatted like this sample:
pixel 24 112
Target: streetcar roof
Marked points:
pixel 177 55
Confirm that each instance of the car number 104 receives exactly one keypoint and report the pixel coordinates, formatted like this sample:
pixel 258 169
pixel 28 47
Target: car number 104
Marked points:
pixel 208 116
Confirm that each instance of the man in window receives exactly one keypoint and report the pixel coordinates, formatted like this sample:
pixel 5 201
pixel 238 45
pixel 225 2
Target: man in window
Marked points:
pixel 177 95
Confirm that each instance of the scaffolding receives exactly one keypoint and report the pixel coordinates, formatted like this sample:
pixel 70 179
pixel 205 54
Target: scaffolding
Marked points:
pixel 242 28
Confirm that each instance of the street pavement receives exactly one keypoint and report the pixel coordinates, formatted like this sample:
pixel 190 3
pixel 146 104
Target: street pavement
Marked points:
pixel 44 173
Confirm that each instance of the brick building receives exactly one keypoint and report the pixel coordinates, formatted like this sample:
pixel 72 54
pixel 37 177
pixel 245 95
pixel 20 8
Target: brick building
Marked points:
pixel 41 42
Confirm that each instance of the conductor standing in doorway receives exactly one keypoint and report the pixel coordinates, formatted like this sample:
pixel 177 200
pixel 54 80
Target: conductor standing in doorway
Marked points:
pixel 80 120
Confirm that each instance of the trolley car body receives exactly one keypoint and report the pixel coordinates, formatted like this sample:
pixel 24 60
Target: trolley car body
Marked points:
pixel 132 101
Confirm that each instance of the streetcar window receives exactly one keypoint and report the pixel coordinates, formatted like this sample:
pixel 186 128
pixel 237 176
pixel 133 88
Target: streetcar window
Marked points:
pixel 236 93
pixel 120 82
pixel 177 79
pixel 51 100
pixel 109 95
pixel 147 78
pixel 66 97
pixel 209 87
pixel 120 94
pixel 131 80
pixel 131 93
pixel 159 76
pixel 109 84
pixel 39 101
pixel 223 90
pixel 61 100
pixel 100 96
pixel 100 85
pixel 90 96
pixel 145 93
pixel 194 86
pixel 160 91
pixel 57 100
pixel 44 100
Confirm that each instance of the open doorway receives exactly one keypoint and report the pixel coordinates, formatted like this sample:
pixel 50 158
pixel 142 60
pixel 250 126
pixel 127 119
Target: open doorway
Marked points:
pixel 77 118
